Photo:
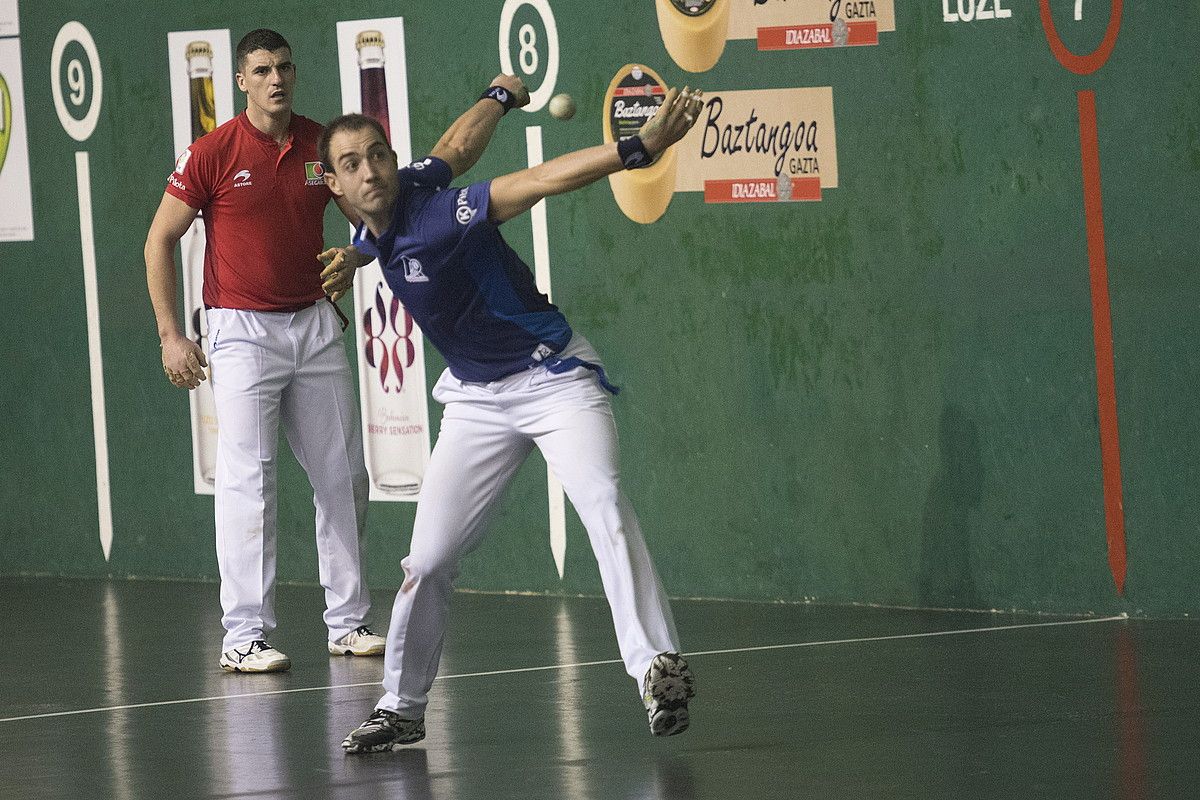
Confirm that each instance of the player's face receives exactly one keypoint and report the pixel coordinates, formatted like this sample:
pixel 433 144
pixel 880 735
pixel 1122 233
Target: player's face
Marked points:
pixel 364 171
pixel 268 79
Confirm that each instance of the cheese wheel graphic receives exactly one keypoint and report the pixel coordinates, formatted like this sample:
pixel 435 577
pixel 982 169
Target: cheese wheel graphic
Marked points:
pixel 633 97
pixel 694 31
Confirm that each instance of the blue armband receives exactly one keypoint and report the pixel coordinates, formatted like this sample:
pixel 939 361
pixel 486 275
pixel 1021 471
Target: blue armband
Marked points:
pixel 633 152
pixel 502 96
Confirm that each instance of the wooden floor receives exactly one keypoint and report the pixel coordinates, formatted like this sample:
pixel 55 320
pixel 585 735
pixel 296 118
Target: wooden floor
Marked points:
pixel 112 690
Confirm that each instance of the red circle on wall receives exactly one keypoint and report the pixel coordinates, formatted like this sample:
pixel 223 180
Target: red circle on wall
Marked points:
pixel 1082 65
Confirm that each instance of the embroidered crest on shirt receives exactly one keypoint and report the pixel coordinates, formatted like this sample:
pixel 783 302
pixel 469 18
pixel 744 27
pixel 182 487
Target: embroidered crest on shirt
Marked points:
pixel 314 173
pixel 463 212
pixel 413 271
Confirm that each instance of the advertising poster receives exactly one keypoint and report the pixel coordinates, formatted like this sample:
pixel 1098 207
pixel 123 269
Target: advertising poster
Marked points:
pixel 16 212
pixel 695 31
pixel 201 71
pixel 761 145
pixel 9 24
pixel 748 146
pixel 805 24
pixel 391 356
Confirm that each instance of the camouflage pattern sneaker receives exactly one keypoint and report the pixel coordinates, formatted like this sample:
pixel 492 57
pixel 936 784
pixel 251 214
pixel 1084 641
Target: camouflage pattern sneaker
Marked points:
pixel 665 693
pixel 382 731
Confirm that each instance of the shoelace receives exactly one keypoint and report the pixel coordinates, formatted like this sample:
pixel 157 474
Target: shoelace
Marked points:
pixel 257 646
pixel 380 718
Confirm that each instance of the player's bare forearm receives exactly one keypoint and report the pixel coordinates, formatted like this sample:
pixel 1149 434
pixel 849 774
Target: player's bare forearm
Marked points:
pixel 463 143
pixel 161 283
pixel 171 221
pixel 182 359
pixel 517 192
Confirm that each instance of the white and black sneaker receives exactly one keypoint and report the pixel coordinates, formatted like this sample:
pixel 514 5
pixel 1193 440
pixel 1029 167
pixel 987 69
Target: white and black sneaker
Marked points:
pixel 665 693
pixel 361 641
pixel 258 656
pixel 382 731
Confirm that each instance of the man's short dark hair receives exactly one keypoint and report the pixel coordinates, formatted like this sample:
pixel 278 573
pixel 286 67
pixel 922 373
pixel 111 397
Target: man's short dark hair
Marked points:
pixel 259 39
pixel 346 122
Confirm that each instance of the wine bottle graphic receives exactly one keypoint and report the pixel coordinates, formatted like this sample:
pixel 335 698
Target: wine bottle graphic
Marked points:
pixel 395 395
pixel 394 407
pixel 372 81
pixel 200 77
pixel 199 57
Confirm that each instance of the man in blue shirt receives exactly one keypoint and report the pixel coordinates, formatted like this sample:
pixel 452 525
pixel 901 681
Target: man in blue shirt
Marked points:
pixel 517 377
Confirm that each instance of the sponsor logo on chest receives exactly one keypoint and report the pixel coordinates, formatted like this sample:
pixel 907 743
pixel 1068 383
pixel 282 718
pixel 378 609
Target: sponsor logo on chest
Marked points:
pixel 242 178
pixel 314 173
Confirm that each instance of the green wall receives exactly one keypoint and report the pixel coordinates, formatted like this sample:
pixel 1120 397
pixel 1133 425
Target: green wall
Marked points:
pixel 887 397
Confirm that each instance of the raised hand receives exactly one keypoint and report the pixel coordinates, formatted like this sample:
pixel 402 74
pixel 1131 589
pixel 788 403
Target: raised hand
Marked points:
pixel 674 118
pixel 515 86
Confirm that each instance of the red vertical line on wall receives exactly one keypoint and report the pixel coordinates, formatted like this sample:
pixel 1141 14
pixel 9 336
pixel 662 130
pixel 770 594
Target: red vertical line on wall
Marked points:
pixel 1106 388
pixel 1131 727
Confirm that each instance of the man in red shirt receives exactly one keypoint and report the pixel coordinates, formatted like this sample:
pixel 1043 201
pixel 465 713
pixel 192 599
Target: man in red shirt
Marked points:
pixel 276 349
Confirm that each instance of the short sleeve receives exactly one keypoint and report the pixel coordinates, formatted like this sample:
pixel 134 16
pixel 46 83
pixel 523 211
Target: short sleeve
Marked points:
pixel 430 172
pixel 188 181
pixel 446 219
pixel 456 213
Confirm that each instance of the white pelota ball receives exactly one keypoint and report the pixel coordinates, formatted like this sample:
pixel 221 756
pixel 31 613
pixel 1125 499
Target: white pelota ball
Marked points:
pixel 562 106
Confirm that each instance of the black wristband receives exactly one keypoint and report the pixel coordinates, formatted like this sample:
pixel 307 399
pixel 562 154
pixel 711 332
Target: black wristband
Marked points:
pixel 502 96
pixel 633 152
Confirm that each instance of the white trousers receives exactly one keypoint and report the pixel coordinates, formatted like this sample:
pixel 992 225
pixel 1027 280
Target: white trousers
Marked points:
pixel 291 368
pixel 488 430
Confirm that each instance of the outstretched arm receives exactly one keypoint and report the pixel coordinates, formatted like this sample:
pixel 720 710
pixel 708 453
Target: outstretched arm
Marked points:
pixel 465 140
pixel 518 192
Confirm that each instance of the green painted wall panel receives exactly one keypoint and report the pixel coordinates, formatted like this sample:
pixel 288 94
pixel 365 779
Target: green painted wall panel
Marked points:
pixel 888 396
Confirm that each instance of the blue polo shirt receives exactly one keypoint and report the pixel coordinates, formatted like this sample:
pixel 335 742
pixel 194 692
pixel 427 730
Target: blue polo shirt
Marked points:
pixel 470 293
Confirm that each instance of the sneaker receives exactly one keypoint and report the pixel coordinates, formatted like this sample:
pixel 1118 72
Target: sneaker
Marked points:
pixel 359 642
pixel 665 692
pixel 258 656
pixel 382 731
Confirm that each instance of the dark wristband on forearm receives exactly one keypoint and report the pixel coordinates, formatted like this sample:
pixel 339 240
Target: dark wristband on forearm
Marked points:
pixel 633 153
pixel 502 96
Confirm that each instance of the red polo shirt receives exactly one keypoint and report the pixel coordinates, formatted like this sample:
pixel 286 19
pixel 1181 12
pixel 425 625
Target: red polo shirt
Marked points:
pixel 263 208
